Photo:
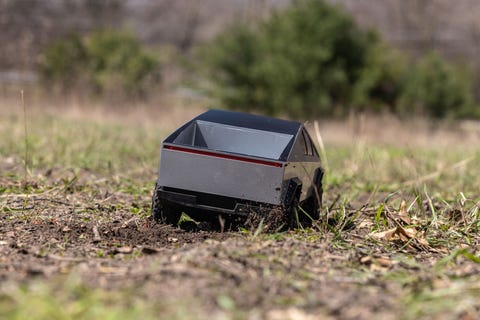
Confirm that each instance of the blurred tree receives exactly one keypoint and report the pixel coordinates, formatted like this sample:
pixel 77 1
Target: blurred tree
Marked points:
pixel 311 59
pixel 451 28
pixel 381 81
pixel 117 60
pixel 438 89
pixel 304 60
pixel 231 62
pixel 64 60
pixel 112 63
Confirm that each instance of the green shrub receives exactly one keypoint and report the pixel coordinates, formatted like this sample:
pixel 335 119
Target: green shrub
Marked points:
pixel 232 59
pixel 63 60
pixel 381 81
pixel 311 59
pixel 437 88
pixel 107 61
pixel 304 61
pixel 117 60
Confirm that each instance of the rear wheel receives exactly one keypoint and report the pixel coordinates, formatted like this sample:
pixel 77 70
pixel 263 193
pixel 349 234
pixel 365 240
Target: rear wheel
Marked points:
pixel 304 214
pixel 162 212
pixel 313 204
pixel 294 213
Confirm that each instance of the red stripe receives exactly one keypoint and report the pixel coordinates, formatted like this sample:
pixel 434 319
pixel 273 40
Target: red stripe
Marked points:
pixel 224 156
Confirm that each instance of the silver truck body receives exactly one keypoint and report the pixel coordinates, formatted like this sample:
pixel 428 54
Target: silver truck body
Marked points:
pixel 214 174
pixel 223 162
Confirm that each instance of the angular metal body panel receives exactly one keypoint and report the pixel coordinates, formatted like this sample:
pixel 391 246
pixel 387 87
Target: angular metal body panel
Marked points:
pixel 303 171
pixel 222 176
pixel 303 160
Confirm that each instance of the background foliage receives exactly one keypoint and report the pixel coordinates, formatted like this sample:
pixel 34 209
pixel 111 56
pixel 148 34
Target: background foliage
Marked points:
pixel 104 61
pixel 311 59
pixel 439 89
pixel 305 60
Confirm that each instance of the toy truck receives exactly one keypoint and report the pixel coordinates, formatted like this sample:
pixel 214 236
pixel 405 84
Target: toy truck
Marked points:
pixel 231 164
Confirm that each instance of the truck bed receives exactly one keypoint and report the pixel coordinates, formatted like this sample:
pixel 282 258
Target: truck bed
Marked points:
pixel 220 173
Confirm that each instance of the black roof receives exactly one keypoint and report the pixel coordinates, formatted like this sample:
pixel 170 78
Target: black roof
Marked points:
pixel 251 121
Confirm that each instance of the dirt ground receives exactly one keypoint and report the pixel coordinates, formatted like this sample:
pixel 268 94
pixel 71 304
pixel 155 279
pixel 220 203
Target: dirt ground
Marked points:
pixel 292 275
pixel 169 263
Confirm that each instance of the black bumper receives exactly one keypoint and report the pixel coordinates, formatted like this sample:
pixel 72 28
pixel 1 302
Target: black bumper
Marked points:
pixel 210 203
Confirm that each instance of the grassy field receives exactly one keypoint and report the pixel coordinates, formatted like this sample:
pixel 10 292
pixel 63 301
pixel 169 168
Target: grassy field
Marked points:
pixel 398 238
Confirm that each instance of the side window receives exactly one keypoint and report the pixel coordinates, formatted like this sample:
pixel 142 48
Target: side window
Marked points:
pixel 308 144
pixel 303 142
pixel 315 153
pixel 310 147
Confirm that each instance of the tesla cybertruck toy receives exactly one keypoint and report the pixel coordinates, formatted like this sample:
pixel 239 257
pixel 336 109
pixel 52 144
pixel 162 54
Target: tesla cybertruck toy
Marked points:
pixel 232 165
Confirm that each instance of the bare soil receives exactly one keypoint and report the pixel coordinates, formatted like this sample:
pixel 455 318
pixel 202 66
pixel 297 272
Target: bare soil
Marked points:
pixel 290 275
pixel 169 263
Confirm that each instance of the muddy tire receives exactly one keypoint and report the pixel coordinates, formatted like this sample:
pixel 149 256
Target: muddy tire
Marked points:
pixel 312 207
pixel 294 213
pixel 162 212
pixel 303 215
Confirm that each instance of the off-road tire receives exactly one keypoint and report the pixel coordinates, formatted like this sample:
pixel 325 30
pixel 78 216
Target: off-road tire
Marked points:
pixel 164 213
pixel 312 206
pixel 308 213
pixel 294 214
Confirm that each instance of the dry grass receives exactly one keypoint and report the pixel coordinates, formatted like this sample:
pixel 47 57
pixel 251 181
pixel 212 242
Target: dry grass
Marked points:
pixel 170 110
pixel 408 133
pixel 166 112
pixel 398 236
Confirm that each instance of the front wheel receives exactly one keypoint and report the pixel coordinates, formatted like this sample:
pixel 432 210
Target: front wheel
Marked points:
pixel 162 212
pixel 294 214
pixel 302 215
pixel 312 205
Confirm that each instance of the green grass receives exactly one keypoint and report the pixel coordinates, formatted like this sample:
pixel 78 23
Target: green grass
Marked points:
pixel 81 144
pixel 364 189
pixel 68 298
